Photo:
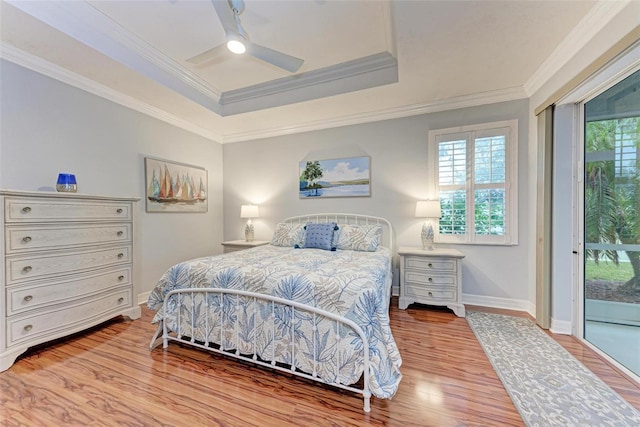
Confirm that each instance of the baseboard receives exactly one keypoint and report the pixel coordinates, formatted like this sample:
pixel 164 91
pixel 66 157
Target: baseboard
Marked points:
pixel 562 327
pixel 601 311
pixel 496 302
pixel 143 297
pixel 557 326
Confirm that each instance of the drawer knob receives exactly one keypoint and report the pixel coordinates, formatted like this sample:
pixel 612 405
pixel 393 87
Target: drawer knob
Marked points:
pixel 430 265
pixel 120 300
pixel 430 279
pixel 28 298
pixel 26 209
pixel 26 239
pixel 27 269
pixel 120 255
pixel 120 278
pixel 119 210
pixel 28 328
pixel 430 293
pixel 120 233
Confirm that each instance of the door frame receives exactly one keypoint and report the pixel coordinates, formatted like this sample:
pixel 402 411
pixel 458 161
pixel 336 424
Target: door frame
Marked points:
pixel 622 67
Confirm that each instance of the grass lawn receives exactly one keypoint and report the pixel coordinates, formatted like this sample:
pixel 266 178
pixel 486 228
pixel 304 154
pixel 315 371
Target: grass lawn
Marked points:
pixel 607 270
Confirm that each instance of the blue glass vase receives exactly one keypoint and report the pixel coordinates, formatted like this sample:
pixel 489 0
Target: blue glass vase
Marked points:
pixel 67 183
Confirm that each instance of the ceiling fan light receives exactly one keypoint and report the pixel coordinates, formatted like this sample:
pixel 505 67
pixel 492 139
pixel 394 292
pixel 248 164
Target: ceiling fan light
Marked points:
pixel 236 46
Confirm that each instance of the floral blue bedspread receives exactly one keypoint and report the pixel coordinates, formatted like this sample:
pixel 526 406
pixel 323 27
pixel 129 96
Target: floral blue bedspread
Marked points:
pixel 352 284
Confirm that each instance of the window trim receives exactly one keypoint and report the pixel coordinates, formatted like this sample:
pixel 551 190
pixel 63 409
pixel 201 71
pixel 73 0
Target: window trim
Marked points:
pixel 511 182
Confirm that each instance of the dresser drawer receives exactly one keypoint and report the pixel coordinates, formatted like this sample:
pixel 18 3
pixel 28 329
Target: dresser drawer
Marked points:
pixel 29 267
pixel 429 279
pixel 64 317
pixel 37 237
pixel 431 264
pixel 26 209
pixel 426 295
pixel 45 292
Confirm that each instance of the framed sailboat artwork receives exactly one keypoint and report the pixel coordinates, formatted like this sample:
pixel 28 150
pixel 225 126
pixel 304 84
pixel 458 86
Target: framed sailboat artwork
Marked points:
pixel 175 187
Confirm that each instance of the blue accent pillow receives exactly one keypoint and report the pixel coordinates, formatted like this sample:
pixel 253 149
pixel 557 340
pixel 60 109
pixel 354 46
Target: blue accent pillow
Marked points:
pixel 320 235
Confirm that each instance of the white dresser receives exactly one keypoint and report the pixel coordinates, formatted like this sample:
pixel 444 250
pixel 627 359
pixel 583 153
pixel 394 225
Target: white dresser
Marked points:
pixel 68 265
pixel 431 277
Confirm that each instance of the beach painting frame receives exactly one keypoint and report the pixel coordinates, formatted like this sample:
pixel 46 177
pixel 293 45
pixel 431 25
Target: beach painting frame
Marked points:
pixel 175 187
pixel 345 177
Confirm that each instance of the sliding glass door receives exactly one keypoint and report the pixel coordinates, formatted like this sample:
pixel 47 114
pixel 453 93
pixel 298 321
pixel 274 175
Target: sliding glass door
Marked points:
pixel 612 222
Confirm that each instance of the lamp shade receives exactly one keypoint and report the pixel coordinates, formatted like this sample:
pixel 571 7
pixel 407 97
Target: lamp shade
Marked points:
pixel 249 211
pixel 428 209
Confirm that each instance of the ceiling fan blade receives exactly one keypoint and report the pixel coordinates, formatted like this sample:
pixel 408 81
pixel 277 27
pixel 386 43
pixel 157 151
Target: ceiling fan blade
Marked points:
pixel 207 55
pixel 273 57
pixel 226 15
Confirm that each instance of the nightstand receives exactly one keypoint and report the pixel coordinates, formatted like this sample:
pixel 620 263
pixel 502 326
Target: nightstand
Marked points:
pixel 238 245
pixel 431 277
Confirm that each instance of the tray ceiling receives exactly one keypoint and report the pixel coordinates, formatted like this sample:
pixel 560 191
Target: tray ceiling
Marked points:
pixel 364 60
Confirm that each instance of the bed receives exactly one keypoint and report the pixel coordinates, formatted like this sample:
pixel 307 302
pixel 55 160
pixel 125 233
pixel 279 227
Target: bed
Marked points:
pixel 313 303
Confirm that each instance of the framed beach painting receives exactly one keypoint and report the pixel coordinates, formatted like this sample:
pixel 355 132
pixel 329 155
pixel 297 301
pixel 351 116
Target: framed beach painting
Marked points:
pixel 348 177
pixel 175 187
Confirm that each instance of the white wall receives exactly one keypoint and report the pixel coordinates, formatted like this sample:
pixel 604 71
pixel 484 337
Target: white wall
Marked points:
pixel 265 172
pixel 49 127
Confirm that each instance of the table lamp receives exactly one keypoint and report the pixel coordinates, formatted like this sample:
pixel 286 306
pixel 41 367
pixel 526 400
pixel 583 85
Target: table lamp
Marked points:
pixel 249 211
pixel 430 211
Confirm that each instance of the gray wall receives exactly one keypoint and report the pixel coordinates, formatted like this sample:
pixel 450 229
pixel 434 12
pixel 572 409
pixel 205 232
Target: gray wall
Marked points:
pixel 265 172
pixel 49 127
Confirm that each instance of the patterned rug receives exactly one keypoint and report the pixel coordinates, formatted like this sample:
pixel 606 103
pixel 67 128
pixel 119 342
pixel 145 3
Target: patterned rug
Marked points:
pixel 548 386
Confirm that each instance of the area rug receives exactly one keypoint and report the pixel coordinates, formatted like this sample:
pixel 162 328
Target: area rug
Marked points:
pixel 548 386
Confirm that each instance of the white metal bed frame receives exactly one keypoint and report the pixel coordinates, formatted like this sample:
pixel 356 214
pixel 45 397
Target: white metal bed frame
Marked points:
pixel 164 335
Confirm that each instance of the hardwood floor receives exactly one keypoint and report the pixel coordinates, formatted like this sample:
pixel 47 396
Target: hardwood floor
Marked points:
pixel 107 376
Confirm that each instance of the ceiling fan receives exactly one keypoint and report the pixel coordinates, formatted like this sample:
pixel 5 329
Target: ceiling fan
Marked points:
pixel 229 12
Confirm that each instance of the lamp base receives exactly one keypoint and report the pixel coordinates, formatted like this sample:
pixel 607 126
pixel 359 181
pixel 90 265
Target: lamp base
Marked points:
pixel 427 236
pixel 248 231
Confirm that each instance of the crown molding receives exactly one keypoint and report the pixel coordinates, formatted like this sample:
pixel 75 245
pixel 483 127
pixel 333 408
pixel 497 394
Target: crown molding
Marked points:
pixel 389 27
pixel 378 61
pixel 358 74
pixel 41 66
pixel 472 100
pixel 595 20
pixel 83 22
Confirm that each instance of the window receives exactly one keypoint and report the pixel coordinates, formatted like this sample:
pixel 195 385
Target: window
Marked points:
pixel 474 172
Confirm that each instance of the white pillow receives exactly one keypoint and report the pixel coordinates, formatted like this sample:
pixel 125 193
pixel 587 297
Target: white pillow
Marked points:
pixel 288 235
pixel 364 238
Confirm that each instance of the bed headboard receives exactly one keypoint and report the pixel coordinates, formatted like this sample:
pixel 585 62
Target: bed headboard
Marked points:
pixel 388 238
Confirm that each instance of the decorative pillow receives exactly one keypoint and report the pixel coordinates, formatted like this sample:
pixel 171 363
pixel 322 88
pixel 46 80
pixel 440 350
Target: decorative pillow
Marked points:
pixel 288 235
pixel 320 235
pixel 364 238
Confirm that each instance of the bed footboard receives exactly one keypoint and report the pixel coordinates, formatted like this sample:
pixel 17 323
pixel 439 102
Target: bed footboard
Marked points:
pixel 218 323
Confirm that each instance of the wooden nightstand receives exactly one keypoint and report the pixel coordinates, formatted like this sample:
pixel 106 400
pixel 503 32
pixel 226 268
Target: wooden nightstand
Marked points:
pixel 238 245
pixel 431 277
